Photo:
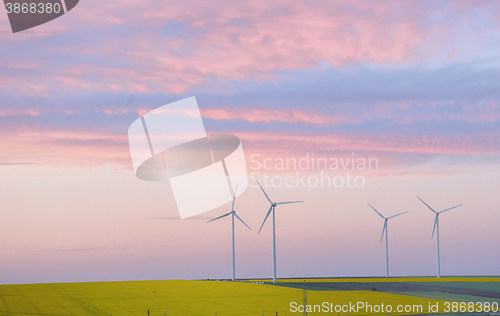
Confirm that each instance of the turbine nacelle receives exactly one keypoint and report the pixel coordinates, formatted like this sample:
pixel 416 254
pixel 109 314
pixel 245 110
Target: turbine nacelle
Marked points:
pixel 273 204
pixel 385 220
pixel 233 212
pixel 437 214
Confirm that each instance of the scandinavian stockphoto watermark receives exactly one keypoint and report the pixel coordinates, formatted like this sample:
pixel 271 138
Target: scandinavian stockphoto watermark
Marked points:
pixel 312 171
pixel 358 307
pixel 170 144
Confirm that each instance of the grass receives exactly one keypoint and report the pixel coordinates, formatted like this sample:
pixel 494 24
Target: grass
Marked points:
pixel 450 297
pixel 178 297
pixel 489 286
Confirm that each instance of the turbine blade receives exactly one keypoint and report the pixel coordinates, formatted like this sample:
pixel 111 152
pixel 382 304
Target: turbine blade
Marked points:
pixel 398 214
pixel 383 231
pixel 269 212
pixel 426 205
pixel 234 198
pixel 242 221
pixel 450 208
pixel 376 211
pixel 434 229
pixel 281 203
pixel 267 197
pixel 219 217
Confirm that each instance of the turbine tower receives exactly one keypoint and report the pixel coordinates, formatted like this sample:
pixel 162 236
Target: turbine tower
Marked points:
pixel 233 213
pixel 436 229
pixel 386 240
pixel 273 208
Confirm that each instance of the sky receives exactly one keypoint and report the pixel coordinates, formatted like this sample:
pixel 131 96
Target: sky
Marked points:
pixel 410 84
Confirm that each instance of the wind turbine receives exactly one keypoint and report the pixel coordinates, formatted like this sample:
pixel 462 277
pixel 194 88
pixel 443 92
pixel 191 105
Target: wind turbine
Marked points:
pixel 272 208
pixel 233 213
pixel 386 240
pixel 436 225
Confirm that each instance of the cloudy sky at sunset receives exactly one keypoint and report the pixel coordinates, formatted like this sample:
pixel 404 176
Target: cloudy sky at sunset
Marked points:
pixel 414 84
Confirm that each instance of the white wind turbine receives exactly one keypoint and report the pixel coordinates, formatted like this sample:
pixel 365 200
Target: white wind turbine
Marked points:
pixel 272 208
pixel 233 213
pixel 386 240
pixel 436 225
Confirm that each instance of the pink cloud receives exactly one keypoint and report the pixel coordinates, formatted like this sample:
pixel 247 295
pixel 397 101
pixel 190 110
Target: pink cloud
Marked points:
pixel 346 115
pixel 269 116
pixel 116 111
pixel 399 113
pixel 60 148
pixel 84 148
pixel 484 144
pixel 14 112
pixel 274 36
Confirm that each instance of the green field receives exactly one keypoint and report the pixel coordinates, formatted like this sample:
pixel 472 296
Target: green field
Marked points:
pixel 178 297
